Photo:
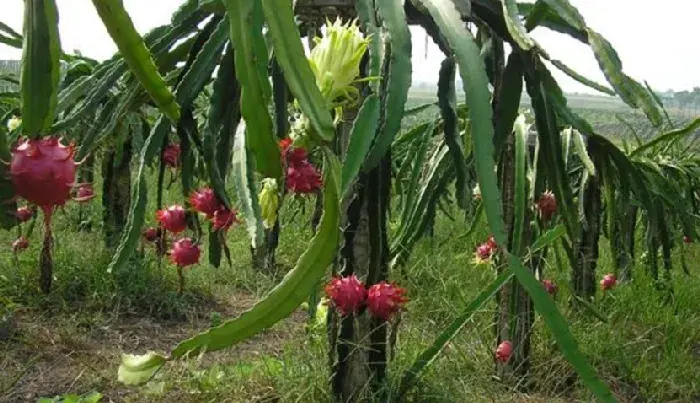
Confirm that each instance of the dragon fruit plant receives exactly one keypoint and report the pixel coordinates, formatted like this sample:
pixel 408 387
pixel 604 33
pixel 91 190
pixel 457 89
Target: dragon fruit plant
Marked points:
pixel 184 251
pixel 42 171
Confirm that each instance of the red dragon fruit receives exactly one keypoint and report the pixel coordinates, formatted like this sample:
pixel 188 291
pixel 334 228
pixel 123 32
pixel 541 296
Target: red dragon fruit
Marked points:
pixel 550 286
pixel 20 244
pixel 291 155
pixel 171 155
pixel 504 351
pixel 385 299
pixel 205 201
pixel 24 214
pixel 484 252
pixel 608 282
pixel 296 156
pixel 84 193
pixel 223 219
pixel 172 218
pixel 150 234
pixel 184 252
pixel 347 294
pixel 547 205
pixel 42 172
pixel 303 178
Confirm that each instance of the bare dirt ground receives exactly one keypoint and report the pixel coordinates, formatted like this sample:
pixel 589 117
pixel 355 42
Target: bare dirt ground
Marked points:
pixel 49 356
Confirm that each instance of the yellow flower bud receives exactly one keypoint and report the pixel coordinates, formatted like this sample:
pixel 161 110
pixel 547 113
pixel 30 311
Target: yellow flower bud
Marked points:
pixel 269 201
pixel 13 123
pixel 336 58
pixel 321 313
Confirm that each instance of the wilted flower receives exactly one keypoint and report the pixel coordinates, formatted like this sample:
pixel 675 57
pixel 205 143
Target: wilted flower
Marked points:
pixel 269 201
pixel 477 192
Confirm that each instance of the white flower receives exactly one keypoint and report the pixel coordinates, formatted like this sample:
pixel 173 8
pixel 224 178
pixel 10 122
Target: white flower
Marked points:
pixel 335 60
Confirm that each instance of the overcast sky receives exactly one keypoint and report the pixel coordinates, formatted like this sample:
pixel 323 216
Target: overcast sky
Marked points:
pixel 657 42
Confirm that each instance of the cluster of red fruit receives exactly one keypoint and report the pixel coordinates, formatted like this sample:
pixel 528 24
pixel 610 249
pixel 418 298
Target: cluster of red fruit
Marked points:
pixel 505 350
pixel 185 251
pixel 301 176
pixel 348 295
pixel 42 172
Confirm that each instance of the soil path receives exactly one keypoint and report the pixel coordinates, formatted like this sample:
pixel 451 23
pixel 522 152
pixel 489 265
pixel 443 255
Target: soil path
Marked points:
pixel 45 357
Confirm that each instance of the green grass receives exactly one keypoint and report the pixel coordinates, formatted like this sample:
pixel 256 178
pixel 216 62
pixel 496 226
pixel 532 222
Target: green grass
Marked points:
pixel 649 350
pixel 70 341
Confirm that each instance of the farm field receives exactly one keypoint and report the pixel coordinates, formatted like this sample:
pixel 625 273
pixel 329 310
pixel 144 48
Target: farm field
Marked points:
pixel 265 201
pixel 70 341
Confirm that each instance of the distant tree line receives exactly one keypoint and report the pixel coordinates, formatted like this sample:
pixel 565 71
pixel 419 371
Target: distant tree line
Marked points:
pixel 686 101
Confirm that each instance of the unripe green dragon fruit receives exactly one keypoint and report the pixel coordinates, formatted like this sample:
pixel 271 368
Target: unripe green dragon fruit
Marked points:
pixel 269 202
